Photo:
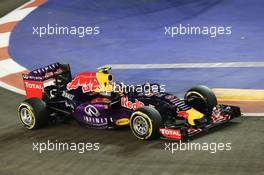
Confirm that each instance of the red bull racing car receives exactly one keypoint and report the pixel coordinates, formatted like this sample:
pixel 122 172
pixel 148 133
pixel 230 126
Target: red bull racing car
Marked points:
pixel 94 100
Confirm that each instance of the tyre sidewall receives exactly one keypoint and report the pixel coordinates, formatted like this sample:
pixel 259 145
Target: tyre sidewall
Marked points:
pixel 206 94
pixel 37 109
pixel 153 119
pixel 29 108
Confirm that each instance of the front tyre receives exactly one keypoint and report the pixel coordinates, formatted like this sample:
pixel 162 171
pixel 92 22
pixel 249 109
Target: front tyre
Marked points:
pixel 145 123
pixel 33 114
pixel 201 98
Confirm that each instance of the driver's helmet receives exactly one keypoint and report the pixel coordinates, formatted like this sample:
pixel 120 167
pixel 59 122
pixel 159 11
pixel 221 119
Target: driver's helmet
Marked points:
pixel 105 79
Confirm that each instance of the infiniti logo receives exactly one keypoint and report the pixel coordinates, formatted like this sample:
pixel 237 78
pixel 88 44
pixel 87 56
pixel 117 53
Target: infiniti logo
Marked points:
pixel 91 111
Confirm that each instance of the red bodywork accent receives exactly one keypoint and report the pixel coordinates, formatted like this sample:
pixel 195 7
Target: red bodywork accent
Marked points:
pixel 218 115
pixel 170 133
pixel 183 114
pixel 194 131
pixel 87 80
pixel 33 89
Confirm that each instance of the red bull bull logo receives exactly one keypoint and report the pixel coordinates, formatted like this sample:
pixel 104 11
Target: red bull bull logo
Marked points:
pixel 191 115
pixel 183 114
pixel 87 81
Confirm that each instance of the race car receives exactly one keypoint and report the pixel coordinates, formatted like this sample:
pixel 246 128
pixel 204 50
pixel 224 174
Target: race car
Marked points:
pixel 94 100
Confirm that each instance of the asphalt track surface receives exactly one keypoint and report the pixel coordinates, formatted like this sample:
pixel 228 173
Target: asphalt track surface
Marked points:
pixel 120 152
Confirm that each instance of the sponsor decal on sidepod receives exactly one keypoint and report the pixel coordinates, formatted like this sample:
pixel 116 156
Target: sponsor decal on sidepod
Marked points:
pixel 130 105
pixel 93 116
pixel 91 111
pixel 122 122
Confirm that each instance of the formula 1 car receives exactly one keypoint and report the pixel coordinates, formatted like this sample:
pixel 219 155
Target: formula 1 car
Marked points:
pixel 94 100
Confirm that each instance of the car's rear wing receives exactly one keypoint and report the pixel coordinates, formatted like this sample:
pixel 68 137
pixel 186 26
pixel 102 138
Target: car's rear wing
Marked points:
pixel 36 80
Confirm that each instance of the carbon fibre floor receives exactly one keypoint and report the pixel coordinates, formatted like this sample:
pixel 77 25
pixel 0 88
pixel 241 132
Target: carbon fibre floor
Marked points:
pixel 120 152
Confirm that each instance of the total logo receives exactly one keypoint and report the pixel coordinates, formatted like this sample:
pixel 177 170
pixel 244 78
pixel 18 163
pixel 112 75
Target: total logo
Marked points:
pixel 130 105
pixel 33 85
pixel 91 111
pixel 170 133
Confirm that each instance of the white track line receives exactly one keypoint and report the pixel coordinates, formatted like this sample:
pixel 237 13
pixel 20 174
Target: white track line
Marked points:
pixel 186 65
pixel 12 88
pixel 9 66
pixel 253 114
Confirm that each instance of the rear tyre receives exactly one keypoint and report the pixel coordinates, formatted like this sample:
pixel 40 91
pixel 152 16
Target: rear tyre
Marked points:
pixel 201 98
pixel 33 113
pixel 145 123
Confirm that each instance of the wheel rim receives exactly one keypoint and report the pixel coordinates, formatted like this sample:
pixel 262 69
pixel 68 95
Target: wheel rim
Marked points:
pixel 26 116
pixel 140 125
